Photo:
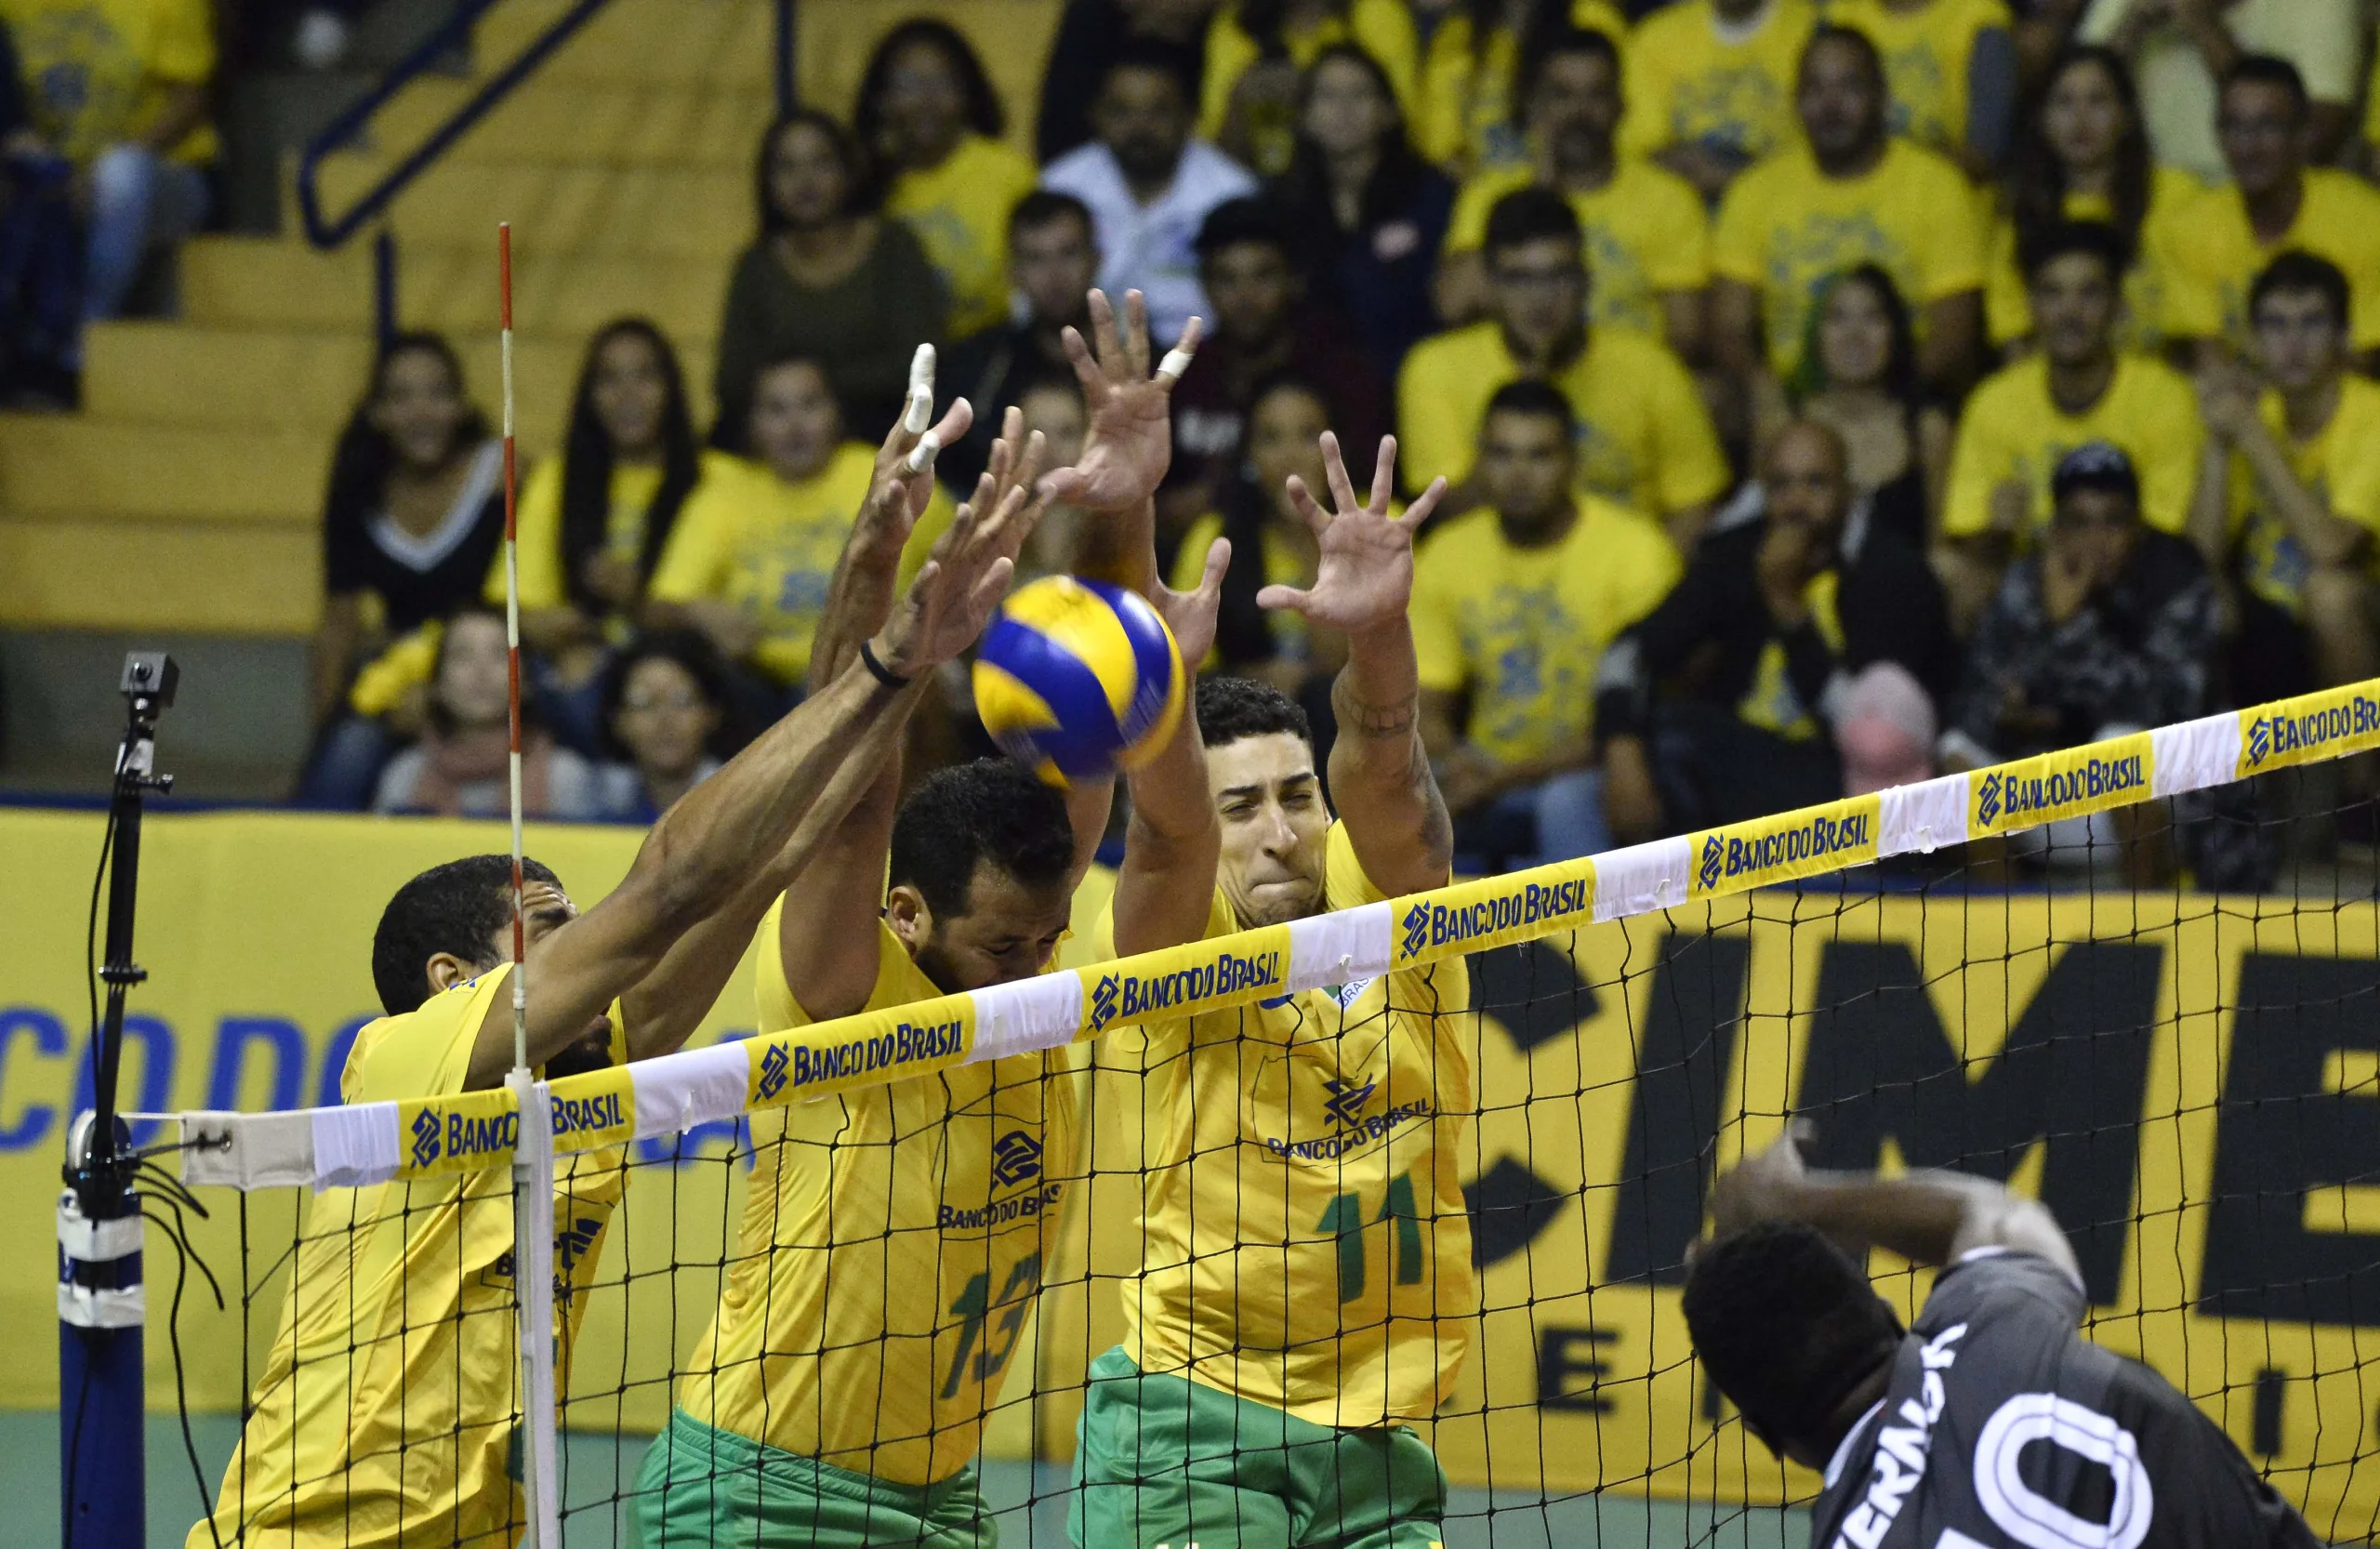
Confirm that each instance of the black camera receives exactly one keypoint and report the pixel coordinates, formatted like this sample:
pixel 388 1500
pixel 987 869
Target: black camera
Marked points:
pixel 151 675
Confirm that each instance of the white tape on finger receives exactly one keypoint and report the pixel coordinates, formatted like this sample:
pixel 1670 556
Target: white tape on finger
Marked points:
pixel 1176 361
pixel 920 413
pixel 922 459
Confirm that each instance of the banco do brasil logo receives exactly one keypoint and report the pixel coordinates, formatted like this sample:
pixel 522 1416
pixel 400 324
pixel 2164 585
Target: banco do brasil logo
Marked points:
pixel 1416 928
pixel 1103 1001
pixel 1346 1101
pixel 425 1138
pixel 1714 856
pixel 1987 799
pixel 1016 1158
pixel 772 1066
pixel 2271 736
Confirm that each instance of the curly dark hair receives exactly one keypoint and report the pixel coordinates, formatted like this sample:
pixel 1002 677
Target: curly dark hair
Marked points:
pixel 991 809
pixel 457 908
pixel 1230 708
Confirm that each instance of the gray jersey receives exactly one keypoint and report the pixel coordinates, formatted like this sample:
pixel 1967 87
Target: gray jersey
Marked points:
pixel 2003 1428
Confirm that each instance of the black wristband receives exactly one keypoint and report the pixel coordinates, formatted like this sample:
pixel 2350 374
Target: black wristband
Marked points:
pixel 881 673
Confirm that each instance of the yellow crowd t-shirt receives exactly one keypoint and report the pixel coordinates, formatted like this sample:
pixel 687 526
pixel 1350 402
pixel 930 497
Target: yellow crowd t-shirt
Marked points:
pixel 2340 463
pixel 2215 255
pixel 1306 1244
pixel 1467 116
pixel 1644 233
pixel 1689 85
pixel 892 1249
pixel 1524 629
pixel 2008 309
pixel 745 535
pixel 1644 437
pixel 95 71
pixel 2013 430
pixel 959 212
pixel 1926 52
pixel 1786 228
pixel 384 1412
pixel 1384 28
pixel 1283 567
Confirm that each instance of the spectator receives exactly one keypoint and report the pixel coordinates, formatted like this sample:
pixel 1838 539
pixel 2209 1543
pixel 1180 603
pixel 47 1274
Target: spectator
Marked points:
pixel 1052 406
pixel 1648 238
pixel 2082 155
pixel 1644 439
pixel 2076 388
pixel 1710 86
pixel 2275 203
pixel 1859 379
pixel 1256 51
pixel 593 522
pixel 929 116
pixel 1470 111
pixel 410 526
pixel 1090 34
pixel 41 257
pixel 460 768
pixel 755 547
pixel 827 278
pixel 1055 261
pixel 1812 623
pixel 1366 212
pixel 1853 194
pixel 2180 50
pixel 1262 323
pixel 1513 603
pixel 665 711
pixel 2108 626
pixel 1950 72
pixel 1148 185
pixel 1271 545
pixel 2291 496
pixel 120 91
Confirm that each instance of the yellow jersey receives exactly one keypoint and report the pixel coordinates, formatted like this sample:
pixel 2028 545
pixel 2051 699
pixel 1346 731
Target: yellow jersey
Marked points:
pixel 1291 639
pixel 959 212
pixel 1524 629
pixel 1466 116
pixel 2216 255
pixel 1644 233
pixel 1384 28
pixel 2340 464
pixel 1644 437
pixel 2013 430
pixel 746 536
pixel 1926 52
pixel 384 1412
pixel 2008 309
pixel 96 72
pixel 1690 84
pixel 1306 1243
pixel 891 1251
pixel 633 489
pixel 1786 228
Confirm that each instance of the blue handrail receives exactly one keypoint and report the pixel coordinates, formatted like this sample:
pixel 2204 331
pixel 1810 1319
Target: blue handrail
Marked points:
pixel 451 34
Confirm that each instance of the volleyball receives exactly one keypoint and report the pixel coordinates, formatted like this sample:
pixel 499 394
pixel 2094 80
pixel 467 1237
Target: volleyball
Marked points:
pixel 1076 679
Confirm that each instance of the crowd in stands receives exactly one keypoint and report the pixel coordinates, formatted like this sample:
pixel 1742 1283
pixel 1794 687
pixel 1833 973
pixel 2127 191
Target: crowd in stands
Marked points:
pixel 1832 394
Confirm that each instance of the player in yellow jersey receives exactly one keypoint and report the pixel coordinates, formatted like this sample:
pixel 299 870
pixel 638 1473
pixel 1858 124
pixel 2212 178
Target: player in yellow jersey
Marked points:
pixel 893 1239
pixel 1307 1259
pixel 385 1410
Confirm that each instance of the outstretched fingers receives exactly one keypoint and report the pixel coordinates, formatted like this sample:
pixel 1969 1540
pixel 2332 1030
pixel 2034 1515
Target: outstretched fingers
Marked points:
pixel 1177 360
pixel 1384 476
pixel 1419 511
pixel 1334 468
pixel 1136 333
pixel 1308 508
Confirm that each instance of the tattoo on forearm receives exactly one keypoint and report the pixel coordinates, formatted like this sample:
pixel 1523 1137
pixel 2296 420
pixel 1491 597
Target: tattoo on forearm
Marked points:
pixel 1373 720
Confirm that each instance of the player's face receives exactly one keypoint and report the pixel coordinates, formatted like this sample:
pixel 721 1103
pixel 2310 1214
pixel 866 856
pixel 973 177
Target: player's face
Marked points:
pixel 1537 289
pixel 631 393
pixel 2299 344
pixel 544 910
pixel 807 185
pixel 1274 826
pixel 473 675
pixel 1344 110
pixel 794 422
pixel 1525 466
pixel 1842 101
pixel 2262 134
pixel 1055 264
pixel 2082 117
pixel 924 106
pixel 1854 337
pixel 1577 98
pixel 2074 308
pixel 1009 930
pixel 418 405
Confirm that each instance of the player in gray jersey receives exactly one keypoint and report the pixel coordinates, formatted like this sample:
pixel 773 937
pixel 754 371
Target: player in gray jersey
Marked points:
pixel 1991 1424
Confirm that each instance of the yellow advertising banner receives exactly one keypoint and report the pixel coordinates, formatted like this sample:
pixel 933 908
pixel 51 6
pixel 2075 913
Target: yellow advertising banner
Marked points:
pixel 2192 1085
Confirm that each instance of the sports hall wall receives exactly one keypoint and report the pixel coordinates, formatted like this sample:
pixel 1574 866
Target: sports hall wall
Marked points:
pixel 2124 1057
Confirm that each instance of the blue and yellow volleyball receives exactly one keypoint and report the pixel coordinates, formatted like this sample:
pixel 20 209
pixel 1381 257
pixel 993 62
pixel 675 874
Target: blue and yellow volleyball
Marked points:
pixel 1076 679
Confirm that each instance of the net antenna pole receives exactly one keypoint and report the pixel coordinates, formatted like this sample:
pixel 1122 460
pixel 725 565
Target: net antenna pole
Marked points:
pixel 532 1167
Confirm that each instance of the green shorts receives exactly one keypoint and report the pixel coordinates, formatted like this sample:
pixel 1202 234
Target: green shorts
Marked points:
pixel 702 1486
pixel 1160 1461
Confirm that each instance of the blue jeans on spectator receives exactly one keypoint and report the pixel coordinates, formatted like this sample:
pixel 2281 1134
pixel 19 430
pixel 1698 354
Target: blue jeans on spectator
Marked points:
pixel 139 200
pixel 1558 819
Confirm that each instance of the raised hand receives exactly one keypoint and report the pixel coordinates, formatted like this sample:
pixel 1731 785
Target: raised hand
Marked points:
pixel 963 580
pixel 1129 442
pixel 902 487
pixel 1365 576
pixel 1191 615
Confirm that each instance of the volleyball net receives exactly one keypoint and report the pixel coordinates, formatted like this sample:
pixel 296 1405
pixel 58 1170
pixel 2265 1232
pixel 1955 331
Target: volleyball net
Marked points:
pixel 2044 971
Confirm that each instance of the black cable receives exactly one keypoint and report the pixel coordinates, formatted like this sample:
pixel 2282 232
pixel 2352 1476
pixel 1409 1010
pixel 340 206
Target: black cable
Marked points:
pixel 74 1452
pixel 184 1256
